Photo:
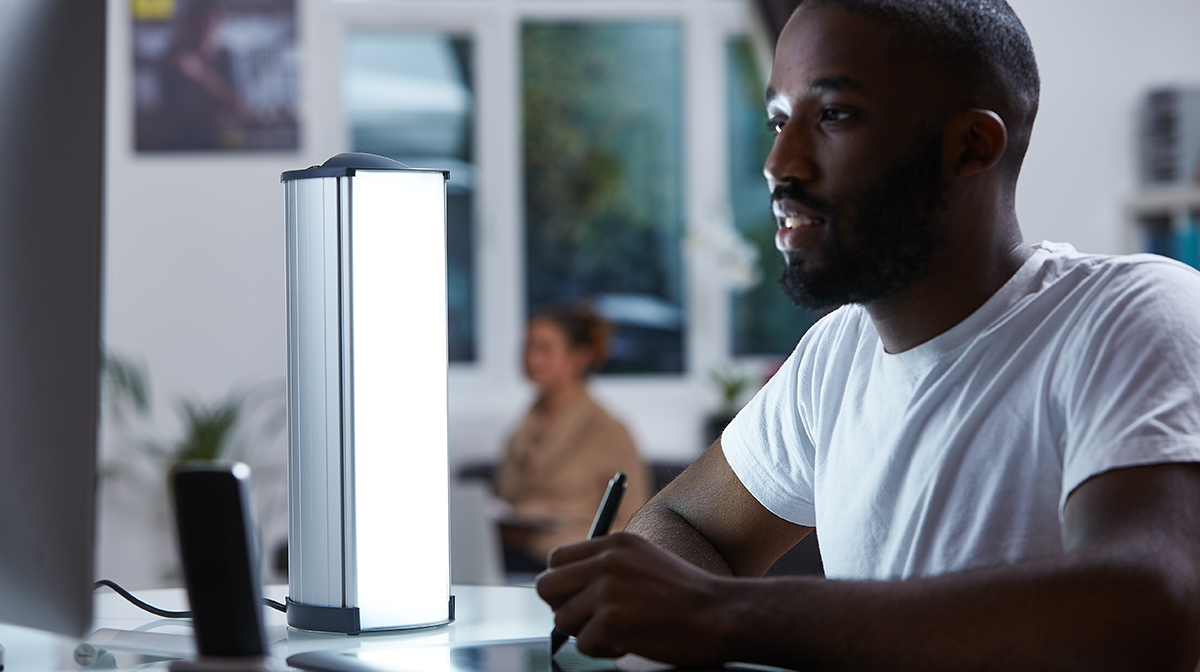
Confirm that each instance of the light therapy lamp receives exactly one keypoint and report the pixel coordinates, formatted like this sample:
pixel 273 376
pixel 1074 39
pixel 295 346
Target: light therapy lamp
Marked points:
pixel 368 474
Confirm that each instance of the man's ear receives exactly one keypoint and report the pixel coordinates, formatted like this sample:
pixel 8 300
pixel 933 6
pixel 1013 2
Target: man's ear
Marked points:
pixel 975 142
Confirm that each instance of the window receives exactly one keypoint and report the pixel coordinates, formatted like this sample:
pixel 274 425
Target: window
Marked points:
pixel 593 140
pixel 601 110
pixel 408 96
pixel 763 321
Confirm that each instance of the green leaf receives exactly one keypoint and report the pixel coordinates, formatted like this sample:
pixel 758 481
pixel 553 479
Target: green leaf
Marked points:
pixel 124 380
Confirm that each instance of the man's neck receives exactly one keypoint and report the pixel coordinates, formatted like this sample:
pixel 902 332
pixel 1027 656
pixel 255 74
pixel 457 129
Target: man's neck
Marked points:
pixel 961 278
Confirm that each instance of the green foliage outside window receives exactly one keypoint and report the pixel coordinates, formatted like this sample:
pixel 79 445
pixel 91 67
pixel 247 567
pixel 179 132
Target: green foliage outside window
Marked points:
pixel 602 105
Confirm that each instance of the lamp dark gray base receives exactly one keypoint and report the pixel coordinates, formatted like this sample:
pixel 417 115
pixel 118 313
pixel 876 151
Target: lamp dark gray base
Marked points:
pixel 344 619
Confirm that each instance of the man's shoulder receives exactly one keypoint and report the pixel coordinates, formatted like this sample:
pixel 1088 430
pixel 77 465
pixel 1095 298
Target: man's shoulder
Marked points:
pixel 1063 261
pixel 847 322
pixel 834 342
pixel 1096 298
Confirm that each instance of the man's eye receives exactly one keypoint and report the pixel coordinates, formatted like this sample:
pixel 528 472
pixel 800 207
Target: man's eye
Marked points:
pixel 834 114
pixel 775 124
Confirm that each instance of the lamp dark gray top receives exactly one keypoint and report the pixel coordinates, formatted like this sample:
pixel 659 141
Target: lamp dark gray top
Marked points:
pixel 347 163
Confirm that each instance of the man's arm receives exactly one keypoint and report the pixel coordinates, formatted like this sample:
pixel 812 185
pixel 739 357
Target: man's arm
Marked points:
pixel 707 517
pixel 1125 595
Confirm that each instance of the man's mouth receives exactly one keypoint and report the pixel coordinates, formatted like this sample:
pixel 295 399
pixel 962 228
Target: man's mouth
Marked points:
pixel 798 230
pixel 800 218
pixel 799 221
pixel 790 213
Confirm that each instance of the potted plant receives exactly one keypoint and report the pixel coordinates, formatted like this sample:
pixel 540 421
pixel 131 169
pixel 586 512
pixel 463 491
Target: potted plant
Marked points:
pixel 729 386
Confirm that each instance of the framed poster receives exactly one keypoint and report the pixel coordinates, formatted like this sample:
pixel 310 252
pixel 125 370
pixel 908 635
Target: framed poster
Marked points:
pixel 215 75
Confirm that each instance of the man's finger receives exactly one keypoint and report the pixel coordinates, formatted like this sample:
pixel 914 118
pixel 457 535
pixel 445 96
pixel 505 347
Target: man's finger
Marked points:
pixel 557 585
pixel 580 550
pixel 573 614
pixel 595 639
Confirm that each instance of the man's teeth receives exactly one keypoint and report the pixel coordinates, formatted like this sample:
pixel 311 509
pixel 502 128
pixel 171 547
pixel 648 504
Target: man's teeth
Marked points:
pixel 794 222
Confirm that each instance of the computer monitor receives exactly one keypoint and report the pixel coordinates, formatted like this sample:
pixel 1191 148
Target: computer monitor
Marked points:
pixel 51 186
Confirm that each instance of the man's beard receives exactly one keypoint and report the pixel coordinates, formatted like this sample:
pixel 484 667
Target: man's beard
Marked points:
pixel 896 224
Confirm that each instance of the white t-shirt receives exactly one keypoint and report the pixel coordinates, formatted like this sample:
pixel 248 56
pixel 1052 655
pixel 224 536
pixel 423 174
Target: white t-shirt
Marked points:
pixel 961 452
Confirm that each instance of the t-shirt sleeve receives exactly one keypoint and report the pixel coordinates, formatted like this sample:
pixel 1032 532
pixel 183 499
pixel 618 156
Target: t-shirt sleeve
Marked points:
pixel 1134 398
pixel 769 449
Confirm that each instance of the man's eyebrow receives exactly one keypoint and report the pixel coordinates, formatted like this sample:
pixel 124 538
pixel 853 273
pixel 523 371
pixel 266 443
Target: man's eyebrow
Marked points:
pixel 833 83
pixel 823 85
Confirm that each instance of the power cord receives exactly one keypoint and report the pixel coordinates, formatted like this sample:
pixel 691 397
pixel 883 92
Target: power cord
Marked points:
pixel 163 613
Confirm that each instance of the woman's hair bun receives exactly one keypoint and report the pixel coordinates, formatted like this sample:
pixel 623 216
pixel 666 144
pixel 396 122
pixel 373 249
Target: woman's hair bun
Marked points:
pixel 583 327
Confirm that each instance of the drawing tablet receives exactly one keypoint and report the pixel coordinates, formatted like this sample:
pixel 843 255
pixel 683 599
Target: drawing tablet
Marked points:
pixel 529 655
pixel 526 655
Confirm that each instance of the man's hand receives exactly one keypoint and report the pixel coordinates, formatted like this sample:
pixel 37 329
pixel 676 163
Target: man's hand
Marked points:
pixel 662 592
pixel 620 594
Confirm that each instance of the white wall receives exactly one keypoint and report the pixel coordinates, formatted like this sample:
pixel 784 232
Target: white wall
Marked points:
pixel 194 287
pixel 1097 59
pixel 195 272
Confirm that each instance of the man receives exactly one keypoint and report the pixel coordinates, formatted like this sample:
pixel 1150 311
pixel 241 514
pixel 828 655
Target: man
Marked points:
pixel 996 441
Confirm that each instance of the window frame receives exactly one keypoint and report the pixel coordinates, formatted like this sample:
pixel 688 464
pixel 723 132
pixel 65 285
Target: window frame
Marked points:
pixel 665 411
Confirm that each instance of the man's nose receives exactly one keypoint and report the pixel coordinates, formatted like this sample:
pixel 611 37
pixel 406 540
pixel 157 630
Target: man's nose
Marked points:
pixel 791 157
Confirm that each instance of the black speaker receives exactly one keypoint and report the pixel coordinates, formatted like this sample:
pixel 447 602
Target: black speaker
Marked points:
pixel 220 568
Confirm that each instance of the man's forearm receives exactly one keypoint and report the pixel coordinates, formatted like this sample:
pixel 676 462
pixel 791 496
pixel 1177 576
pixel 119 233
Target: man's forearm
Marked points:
pixel 1075 612
pixel 707 517
pixel 668 530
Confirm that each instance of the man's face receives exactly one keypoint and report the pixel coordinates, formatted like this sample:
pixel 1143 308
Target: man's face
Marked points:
pixel 856 170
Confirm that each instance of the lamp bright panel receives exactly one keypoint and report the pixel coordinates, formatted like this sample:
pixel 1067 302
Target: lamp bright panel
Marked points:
pixel 399 435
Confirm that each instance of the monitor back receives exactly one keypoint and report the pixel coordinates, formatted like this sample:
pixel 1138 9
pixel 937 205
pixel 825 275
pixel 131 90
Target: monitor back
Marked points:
pixel 51 183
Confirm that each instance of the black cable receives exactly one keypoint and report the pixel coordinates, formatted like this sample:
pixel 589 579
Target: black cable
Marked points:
pixel 163 613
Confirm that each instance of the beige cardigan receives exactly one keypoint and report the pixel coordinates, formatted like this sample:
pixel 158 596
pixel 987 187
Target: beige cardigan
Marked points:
pixel 559 471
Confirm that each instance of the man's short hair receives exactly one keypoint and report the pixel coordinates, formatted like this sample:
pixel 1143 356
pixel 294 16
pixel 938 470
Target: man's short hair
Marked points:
pixel 982 48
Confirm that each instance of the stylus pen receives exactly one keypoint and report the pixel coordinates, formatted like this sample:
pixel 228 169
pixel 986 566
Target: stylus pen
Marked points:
pixel 600 527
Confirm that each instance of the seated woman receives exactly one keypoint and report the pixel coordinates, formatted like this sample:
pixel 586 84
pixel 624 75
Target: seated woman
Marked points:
pixel 560 460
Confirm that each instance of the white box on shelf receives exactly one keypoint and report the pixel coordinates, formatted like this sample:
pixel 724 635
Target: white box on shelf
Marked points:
pixel 1170 137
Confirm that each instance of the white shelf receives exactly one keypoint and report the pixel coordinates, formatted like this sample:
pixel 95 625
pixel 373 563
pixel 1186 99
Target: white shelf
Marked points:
pixel 1164 201
pixel 1179 204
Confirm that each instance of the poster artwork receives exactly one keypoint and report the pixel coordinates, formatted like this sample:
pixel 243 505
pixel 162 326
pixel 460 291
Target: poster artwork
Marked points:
pixel 215 75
